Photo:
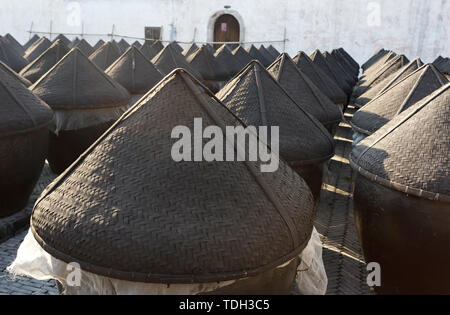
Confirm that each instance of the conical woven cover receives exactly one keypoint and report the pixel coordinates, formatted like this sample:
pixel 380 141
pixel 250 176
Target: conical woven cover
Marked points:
pixel 159 46
pixel 410 153
pixel 375 67
pixel 267 55
pixel 150 49
pixel 398 98
pixel 224 57
pixel 371 93
pixel 177 46
pixel 14 74
pixel 20 110
pixel 255 54
pixel 99 44
pixel 143 217
pixel 170 58
pixel 189 50
pixel 303 91
pixel 63 39
pixel 348 57
pixel 438 60
pixel 211 48
pixel 36 69
pixel 134 72
pixel 319 61
pixel 137 44
pixel 374 58
pixel 204 62
pixel 374 78
pixel 105 55
pixel 9 56
pixel 76 83
pixel 326 85
pixel 37 49
pixel 242 58
pixel 123 45
pixel 85 47
pixel 443 65
pixel 258 100
pixel 74 42
pixel 31 41
pixel 273 51
pixel 347 65
pixel 338 68
pixel 15 44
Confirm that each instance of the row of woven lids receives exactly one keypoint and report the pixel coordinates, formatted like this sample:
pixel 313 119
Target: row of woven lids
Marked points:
pixel 122 208
pixel 401 155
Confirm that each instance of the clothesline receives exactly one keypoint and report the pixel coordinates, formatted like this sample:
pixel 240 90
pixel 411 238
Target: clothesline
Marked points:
pixel 161 40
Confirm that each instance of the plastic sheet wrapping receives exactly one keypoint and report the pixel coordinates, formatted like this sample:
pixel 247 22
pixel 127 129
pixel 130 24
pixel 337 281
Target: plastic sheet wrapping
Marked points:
pixel 357 138
pixel 33 261
pixel 311 276
pixel 83 118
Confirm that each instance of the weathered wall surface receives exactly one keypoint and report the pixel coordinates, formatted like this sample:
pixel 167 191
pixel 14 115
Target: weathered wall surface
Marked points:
pixel 413 27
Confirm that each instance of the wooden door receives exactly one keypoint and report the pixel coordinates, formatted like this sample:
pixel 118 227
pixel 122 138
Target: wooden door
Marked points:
pixel 226 29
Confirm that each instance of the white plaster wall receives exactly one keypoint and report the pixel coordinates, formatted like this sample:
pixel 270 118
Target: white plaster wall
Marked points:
pixel 413 27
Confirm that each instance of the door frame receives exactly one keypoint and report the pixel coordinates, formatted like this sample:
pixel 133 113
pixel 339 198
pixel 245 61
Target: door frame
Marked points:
pixel 215 16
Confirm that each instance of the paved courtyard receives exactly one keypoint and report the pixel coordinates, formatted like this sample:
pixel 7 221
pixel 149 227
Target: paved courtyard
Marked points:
pixel 342 256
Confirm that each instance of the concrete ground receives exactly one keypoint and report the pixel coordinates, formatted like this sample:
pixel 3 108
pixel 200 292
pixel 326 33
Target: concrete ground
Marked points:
pixel 342 256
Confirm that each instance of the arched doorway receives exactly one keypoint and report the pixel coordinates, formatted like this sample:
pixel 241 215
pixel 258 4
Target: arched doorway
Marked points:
pixel 226 29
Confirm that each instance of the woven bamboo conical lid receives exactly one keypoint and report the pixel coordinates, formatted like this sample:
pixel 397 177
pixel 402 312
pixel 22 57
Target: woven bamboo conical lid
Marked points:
pixel 204 62
pixel 134 72
pixel 319 61
pixel 275 53
pixel 379 63
pixel 402 73
pixel 85 47
pixel 99 44
pixel 63 39
pixel 410 153
pixel 225 57
pixel 36 69
pixel 37 49
pixel 385 71
pixel 143 217
pixel 170 58
pixel 75 82
pixel 374 58
pixel 15 44
pixel 14 74
pixel 9 56
pixel 266 54
pixel 303 91
pixel 258 100
pixel 150 49
pixel 242 58
pixel 320 79
pixel 123 45
pixel 340 71
pixel 20 110
pixel 256 54
pixel 31 41
pixel 397 99
pixel 189 50
pixel 105 55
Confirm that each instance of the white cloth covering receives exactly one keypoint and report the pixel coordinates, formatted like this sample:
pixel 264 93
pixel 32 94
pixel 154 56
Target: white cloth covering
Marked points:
pixel 33 261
